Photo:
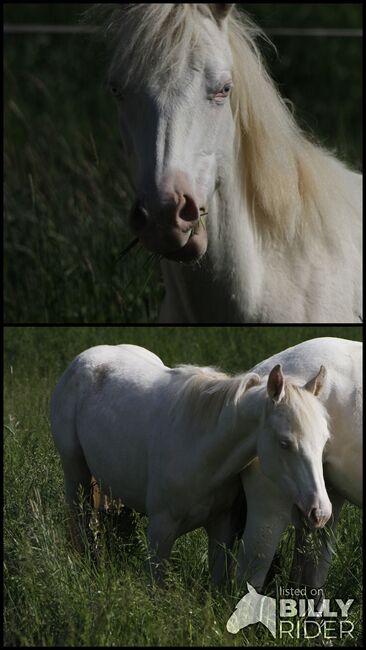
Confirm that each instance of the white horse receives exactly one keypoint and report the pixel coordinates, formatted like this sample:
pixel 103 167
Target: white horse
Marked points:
pixel 224 177
pixel 269 509
pixel 171 442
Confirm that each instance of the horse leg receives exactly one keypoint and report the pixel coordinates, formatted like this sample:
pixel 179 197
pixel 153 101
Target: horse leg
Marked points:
pixel 161 535
pixel 96 495
pixel 223 531
pixel 122 516
pixel 126 523
pixel 78 491
pixel 268 515
pixel 308 570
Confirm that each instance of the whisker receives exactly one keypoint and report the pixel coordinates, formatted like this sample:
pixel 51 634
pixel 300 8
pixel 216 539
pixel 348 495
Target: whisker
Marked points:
pixel 147 265
pixel 149 261
pixel 127 249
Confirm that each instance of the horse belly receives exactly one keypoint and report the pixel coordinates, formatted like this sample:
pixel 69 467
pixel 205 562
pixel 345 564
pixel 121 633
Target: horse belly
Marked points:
pixel 116 451
pixel 343 454
pixel 343 463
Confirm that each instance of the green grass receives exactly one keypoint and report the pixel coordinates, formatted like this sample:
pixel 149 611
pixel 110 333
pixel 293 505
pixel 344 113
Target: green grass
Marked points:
pixel 65 212
pixel 54 597
pixel 65 194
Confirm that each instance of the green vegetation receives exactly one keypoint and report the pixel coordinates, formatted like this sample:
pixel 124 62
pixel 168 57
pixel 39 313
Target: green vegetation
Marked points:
pixel 53 597
pixel 66 197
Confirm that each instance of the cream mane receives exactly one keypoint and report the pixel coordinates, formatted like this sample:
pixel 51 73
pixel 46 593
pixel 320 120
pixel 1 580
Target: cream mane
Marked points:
pixel 204 392
pixel 288 181
pixel 291 187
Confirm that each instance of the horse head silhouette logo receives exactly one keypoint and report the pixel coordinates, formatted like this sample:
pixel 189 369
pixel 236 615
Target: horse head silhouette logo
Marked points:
pixel 253 608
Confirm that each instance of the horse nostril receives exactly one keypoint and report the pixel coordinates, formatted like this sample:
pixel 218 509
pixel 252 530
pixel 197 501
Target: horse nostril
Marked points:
pixel 314 515
pixel 187 209
pixel 139 217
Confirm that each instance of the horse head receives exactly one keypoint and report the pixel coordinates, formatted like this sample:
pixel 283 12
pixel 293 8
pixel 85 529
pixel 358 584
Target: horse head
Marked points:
pixel 292 435
pixel 172 77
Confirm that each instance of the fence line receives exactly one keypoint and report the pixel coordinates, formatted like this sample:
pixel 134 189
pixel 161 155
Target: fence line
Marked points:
pixel 314 31
pixel 89 29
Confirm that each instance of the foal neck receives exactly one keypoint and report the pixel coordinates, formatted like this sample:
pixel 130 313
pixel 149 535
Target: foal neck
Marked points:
pixel 234 439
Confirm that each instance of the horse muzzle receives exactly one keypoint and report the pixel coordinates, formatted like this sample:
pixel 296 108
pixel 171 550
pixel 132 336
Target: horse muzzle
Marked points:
pixel 317 514
pixel 177 232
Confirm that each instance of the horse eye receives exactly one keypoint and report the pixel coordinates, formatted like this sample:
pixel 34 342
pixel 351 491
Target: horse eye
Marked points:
pixel 115 91
pixel 223 92
pixel 284 444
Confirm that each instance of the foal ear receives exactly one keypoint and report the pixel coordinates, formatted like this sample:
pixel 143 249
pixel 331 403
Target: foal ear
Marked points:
pixel 221 11
pixel 316 384
pixel 252 380
pixel 276 384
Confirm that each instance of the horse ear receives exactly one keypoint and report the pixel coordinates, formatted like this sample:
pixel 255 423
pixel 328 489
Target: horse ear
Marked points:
pixel 220 11
pixel 316 384
pixel 253 380
pixel 276 384
pixel 251 589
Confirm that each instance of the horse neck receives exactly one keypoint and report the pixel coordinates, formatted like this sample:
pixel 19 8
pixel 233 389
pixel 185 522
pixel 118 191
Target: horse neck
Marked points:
pixel 232 444
pixel 235 252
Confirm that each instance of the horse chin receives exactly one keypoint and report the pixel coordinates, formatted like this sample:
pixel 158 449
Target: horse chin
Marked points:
pixel 192 250
pixel 177 246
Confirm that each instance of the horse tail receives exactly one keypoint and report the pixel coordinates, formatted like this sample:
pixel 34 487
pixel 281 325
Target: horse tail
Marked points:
pixel 64 430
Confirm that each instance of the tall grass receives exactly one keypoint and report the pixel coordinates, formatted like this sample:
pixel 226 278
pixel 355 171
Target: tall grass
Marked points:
pixel 66 197
pixel 54 597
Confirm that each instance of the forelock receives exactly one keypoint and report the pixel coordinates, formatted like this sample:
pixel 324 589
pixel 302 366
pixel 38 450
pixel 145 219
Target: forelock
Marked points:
pixel 151 40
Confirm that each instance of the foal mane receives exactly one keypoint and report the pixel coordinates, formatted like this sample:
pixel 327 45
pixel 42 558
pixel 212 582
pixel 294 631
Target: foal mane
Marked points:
pixel 290 185
pixel 204 391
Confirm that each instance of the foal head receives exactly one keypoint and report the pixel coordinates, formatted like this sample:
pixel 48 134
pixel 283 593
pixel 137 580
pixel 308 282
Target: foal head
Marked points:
pixel 171 75
pixel 292 435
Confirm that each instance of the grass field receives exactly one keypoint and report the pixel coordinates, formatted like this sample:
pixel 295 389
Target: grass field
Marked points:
pixel 54 597
pixel 65 194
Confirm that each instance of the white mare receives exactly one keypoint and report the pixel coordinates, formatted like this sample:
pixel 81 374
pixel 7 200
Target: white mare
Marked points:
pixel 223 176
pixel 171 442
pixel 269 509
